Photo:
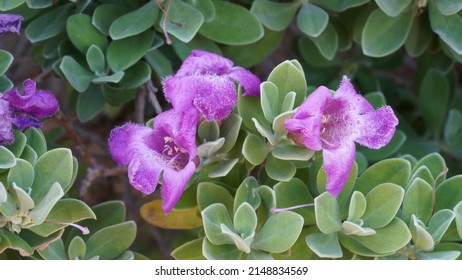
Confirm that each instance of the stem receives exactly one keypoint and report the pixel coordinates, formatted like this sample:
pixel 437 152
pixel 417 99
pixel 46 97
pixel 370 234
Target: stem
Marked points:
pixel 277 210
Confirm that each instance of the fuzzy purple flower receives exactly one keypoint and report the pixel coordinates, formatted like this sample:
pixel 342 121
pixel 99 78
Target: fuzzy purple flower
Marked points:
pixel 333 123
pixel 205 81
pixel 10 23
pixel 24 110
pixel 167 152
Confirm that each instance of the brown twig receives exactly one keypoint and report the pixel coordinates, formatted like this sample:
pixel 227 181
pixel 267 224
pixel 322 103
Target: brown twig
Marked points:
pixel 152 91
pixel 140 102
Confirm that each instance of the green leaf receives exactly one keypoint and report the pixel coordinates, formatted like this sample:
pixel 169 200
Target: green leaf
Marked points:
pixel 255 53
pixel 350 228
pixel 54 251
pixel 208 131
pixel 191 250
pixel 288 76
pixel 105 14
pixel 208 149
pixel 279 232
pixel 183 50
pixel 269 98
pixel 325 245
pixel 419 37
pixel 435 163
pixel 90 103
pixel 220 252
pixel 83 34
pixel 22 174
pixel 222 168
pixel 77 75
pixel 7 158
pixel 9 240
pixel 64 212
pixel 95 59
pixel 279 170
pixel 447 27
pixel 183 20
pixel 213 217
pixel 279 122
pixel 117 56
pixel 225 29
pixel 327 213
pixel 327 42
pixel 291 152
pixel 382 204
pixel 312 20
pixel 111 241
pixel 10 4
pixel 380 26
pixel 247 192
pixel 36 140
pixel 439 223
pixel 448 7
pixel 357 206
pixel 206 7
pixel 19 144
pixel 39 4
pixel 77 249
pixel 418 201
pixel 449 193
pixel 443 255
pixel 5 84
pixel 229 130
pixel 396 171
pixel 458 218
pixel 135 22
pixel 293 193
pixel 421 238
pixel 117 96
pixel 254 149
pixel 274 15
pixel 136 75
pixel 50 24
pixel 53 166
pixel 339 5
pixel 249 108
pixel 245 220
pixel 453 130
pixel 393 7
pixel 434 87
pixel 6 59
pixel 114 78
pixel 388 239
pixel 44 206
pixel 159 63
pixel 210 193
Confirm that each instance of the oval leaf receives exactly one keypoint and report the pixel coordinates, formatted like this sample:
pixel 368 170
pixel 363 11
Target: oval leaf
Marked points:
pixel 177 219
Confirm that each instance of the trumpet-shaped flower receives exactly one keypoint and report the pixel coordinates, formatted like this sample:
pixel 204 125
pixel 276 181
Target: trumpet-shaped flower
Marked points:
pixel 167 152
pixel 24 110
pixel 10 23
pixel 205 81
pixel 333 123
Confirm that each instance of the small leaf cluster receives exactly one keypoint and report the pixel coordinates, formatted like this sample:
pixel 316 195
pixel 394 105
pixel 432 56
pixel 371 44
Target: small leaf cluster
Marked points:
pixel 109 239
pixel 33 182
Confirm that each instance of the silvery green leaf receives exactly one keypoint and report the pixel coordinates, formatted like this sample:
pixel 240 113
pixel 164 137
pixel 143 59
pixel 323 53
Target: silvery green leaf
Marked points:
pixel 22 174
pixel 421 238
pixel 209 148
pixel 24 200
pixel 222 168
pixel 350 228
pixel 7 158
pixel 245 220
pixel 264 132
pixel 3 193
pixel 357 206
pixel 279 122
pixel 243 245
pixel 324 245
pixel 439 223
pixel 291 152
pixel 269 100
pixel 327 213
pixel 458 212
pixel 213 217
pixel 40 212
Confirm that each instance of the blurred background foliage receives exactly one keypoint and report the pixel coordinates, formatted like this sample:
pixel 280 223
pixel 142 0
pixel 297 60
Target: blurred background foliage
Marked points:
pixel 105 60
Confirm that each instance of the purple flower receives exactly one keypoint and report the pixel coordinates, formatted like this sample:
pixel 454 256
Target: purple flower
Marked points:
pixel 24 111
pixel 205 81
pixel 333 123
pixel 166 152
pixel 10 23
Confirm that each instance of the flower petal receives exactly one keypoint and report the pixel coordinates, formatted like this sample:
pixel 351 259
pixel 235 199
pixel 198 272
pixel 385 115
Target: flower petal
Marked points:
pixel 10 23
pixel 23 122
pixel 307 120
pixel 6 128
pixel 377 128
pixel 180 91
pixel 247 79
pixel 357 103
pixel 38 104
pixel 173 185
pixel 144 172
pixel 337 164
pixel 125 140
pixel 215 97
pixel 203 63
